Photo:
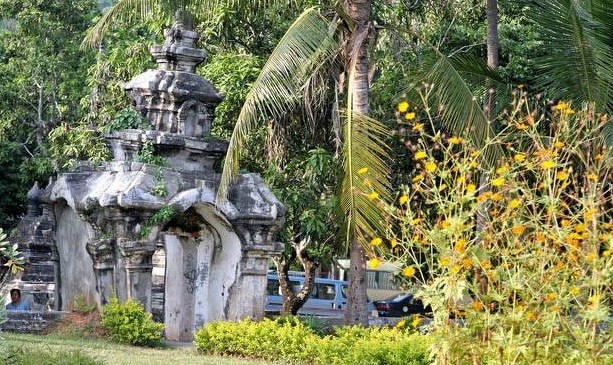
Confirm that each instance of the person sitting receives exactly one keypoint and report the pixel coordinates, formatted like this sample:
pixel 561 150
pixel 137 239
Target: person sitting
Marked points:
pixel 16 303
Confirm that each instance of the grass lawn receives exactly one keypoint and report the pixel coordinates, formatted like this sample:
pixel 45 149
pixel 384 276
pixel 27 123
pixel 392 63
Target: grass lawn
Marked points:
pixel 113 354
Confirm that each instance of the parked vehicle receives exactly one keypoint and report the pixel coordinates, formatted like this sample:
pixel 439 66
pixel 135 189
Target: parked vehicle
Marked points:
pixel 328 296
pixel 399 305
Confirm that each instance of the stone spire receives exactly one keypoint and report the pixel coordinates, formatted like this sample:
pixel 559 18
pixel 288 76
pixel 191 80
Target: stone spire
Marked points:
pixel 173 98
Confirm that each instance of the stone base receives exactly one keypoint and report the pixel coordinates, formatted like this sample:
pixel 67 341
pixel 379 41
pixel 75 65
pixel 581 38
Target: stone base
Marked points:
pixel 30 321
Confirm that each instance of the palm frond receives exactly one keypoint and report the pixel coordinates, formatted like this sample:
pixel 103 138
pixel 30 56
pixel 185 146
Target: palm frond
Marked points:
pixel 366 175
pixel 278 87
pixel 578 63
pixel 462 113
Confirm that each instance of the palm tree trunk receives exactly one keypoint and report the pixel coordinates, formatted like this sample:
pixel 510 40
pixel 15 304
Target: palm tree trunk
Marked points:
pixel 356 57
pixel 492 33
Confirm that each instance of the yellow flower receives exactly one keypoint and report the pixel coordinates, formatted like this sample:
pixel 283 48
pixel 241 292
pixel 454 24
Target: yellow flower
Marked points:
pixel 415 221
pixel 411 116
pixel 442 187
pixel 485 264
pixel 540 237
pixel 558 144
pixel 518 229
pixel 403 106
pixel 548 164
pixel 477 306
pixel 562 175
pixel 498 181
pixel 531 316
pixel 374 263
pixel 599 157
pixel 560 106
pixel 408 272
pixel 461 179
pixel 460 246
pixel 393 242
pixel 592 176
pixel 470 188
pixel 418 126
pixel 514 204
pixel 568 111
pixel 363 170
pixel 403 199
pixel 565 223
pixel 550 297
pixel 520 157
pixel 418 178
pixel 574 291
pixel 373 195
pixel 455 140
pixel 420 155
pixel 444 261
pixel 467 263
pixel 455 269
pixel 502 170
pixel 522 126
pixel 376 241
pixel 415 322
pixel 430 166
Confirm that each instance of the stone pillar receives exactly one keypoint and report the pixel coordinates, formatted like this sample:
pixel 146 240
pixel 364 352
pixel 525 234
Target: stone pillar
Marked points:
pixel 136 258
pixel 249 296
pixel 103 255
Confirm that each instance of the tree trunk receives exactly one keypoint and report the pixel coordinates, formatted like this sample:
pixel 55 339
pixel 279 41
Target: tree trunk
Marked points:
pixel 492 33
pixel 356 311
pixel 292 301
pixel 356 55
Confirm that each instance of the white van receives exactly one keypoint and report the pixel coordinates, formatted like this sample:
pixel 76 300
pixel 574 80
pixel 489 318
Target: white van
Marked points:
pixel 328 297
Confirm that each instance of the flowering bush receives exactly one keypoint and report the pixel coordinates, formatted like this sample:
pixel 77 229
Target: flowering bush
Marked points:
pixel 515 259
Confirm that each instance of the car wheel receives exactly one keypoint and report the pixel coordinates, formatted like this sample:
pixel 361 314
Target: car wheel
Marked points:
pixel 405 309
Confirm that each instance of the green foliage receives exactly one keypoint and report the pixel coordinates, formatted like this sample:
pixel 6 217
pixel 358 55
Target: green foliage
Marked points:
pixel 147 155
pixel 289 339
pixel 128 118
pixel 11 260
pixel 162 215
pixel 522 249
pixel 83 306
pixel 129 323
pixel 71 144
pixel 232 74
pixel 26 356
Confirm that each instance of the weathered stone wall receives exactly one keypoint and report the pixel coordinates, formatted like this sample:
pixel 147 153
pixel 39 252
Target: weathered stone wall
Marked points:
pixel 77 279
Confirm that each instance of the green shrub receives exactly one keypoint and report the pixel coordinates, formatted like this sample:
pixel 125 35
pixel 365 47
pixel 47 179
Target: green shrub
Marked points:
pixel 28 356
pixel 291 340
pixel 129 323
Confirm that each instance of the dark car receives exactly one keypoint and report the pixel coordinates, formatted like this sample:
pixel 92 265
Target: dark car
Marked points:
pixel 399 305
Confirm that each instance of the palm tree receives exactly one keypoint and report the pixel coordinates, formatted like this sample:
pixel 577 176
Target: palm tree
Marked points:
pixel 311 46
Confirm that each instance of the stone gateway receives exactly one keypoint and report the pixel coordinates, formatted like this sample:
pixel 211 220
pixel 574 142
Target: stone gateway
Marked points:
pixel 155 234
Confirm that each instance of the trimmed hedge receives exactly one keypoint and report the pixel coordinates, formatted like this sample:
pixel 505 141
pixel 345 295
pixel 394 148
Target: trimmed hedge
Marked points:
pixel 291 340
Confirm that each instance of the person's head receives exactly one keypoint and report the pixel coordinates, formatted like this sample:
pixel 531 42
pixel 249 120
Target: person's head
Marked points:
pixel 15 295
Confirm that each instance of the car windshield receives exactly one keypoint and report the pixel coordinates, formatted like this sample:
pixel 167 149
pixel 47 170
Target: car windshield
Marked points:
pixel 398 297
